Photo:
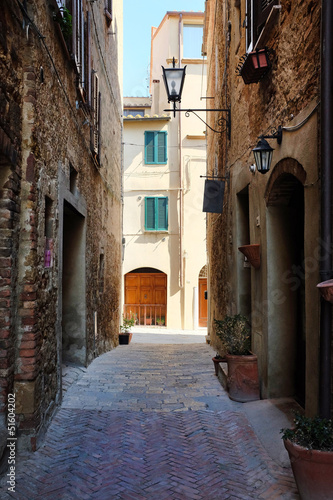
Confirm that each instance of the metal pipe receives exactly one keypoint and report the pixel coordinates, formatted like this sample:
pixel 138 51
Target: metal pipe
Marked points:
pixel 326 201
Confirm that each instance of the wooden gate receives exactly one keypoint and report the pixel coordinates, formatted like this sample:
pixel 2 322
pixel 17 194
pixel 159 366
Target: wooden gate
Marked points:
pixel 146 298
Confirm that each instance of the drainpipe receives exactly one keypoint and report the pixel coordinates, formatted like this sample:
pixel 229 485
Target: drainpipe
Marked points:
pixel 181 200
pixel 326 202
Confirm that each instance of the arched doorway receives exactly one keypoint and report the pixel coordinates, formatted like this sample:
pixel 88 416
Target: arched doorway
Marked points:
pixel 286 281
pixel 146 296
pixel 203 309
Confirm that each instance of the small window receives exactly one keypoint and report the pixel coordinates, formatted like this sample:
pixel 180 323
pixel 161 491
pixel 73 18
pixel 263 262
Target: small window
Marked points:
pixel 156 213
pixel 134 112
pixel 192 41
pixel 155 148
pixel 72 179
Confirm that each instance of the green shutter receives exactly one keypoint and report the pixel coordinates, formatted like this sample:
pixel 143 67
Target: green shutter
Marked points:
pixel 156 213
pixel 161 147
pixel 162 214
pixel 149 147
pixel 150 214
pixel 155 147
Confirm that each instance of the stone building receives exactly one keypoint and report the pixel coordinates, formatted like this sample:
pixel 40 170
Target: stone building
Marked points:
pixel 60 197
pixel 164 156
pixel 279 211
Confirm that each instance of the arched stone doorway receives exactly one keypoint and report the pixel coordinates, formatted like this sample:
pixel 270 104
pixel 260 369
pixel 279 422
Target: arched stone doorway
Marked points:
pixel 286 281
pixel 146 296
pixel 203 302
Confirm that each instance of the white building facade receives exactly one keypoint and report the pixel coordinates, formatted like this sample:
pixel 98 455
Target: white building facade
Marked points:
pixel 164 227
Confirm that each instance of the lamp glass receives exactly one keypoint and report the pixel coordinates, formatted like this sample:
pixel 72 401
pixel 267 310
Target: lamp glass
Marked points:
pixel 174 81
pixel 263 154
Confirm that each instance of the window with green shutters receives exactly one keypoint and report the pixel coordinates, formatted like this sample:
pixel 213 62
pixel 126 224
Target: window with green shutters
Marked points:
pixel 155 148
pixel 156 213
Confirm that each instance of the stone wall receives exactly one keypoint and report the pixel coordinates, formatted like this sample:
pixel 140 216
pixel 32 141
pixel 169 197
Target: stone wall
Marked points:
pixel 288 96
pixel 60 206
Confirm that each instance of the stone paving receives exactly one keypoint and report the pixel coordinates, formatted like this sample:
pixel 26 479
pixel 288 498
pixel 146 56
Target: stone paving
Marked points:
pixel 150 421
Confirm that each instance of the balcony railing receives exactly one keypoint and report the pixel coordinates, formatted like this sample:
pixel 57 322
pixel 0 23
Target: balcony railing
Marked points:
pixel 146 314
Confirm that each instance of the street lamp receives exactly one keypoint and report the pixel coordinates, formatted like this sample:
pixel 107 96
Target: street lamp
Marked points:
pixel 174 82
pixel 263 152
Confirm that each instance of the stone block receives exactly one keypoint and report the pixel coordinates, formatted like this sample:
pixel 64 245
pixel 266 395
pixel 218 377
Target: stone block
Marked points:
pixel 25 397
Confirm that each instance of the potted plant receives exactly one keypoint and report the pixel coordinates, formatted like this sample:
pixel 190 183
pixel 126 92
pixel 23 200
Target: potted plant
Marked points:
pixel 310 447
pixel 243 378
pixel 125 335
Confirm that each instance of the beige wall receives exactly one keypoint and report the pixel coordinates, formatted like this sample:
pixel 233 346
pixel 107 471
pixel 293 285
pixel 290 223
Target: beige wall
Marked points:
pixel 181 251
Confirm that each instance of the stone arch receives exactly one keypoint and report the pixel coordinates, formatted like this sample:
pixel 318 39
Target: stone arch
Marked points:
pixel 283 182
pixel 203 272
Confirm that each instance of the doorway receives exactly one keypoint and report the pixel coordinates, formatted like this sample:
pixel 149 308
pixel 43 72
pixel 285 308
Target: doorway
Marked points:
pixel 203 298
pixel 146 296
pixel 286 283
pixel 74 287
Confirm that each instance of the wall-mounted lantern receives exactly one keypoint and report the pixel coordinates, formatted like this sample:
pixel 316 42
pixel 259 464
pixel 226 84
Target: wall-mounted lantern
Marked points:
pixel 263 152
pixel 174 82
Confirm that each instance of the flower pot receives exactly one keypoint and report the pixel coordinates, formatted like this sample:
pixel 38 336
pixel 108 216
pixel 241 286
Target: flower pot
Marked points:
pixel 313 471
pixel 243 378
pixel 216 362
pixel 326 290
pixel 252 253
pixel 125 338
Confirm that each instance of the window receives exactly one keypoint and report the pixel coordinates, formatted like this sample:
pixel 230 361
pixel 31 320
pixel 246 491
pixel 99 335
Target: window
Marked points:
pixel 155 148
pixel 192 41
pixel 257 12
pixel 156 213
pixel 134 112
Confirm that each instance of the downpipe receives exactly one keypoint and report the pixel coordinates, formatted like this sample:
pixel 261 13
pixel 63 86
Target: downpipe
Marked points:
pixel 326 145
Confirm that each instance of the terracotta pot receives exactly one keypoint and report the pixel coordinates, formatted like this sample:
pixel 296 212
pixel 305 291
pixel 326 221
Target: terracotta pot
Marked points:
pixel 216 362
pixel 313 471
pixel 243 378
pixel 252 253
pixel 326 290
pixel 125 338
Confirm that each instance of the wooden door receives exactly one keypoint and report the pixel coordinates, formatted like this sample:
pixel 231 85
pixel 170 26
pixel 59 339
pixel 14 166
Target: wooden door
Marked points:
pixel 203 309
pixel 146 297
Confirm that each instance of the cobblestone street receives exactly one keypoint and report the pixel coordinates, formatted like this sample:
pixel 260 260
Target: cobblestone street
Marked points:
pixel 150 421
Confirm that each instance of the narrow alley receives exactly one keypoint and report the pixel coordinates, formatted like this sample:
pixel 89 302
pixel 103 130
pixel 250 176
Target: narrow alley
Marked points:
pixel 151 421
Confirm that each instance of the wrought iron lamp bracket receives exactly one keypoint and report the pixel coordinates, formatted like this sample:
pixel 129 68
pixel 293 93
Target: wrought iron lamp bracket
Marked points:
pixel 276 134
pixel 220 121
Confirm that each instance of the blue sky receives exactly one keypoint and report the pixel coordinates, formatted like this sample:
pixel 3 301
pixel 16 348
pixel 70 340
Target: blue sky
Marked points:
pixel 139 17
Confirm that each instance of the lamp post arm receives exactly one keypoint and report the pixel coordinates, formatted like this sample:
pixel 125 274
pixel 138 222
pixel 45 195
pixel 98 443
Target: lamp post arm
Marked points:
pixel 227 120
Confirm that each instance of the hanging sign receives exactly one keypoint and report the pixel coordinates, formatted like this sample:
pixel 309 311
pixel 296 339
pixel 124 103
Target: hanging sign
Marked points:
pixel 213 196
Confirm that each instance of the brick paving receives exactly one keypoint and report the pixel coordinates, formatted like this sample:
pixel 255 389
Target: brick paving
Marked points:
pixel 150 422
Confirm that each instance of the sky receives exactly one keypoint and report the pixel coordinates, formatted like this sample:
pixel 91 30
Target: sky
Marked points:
pixel 139 17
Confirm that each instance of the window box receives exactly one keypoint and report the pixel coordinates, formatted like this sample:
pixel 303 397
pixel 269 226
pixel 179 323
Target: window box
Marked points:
pixel 254 66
